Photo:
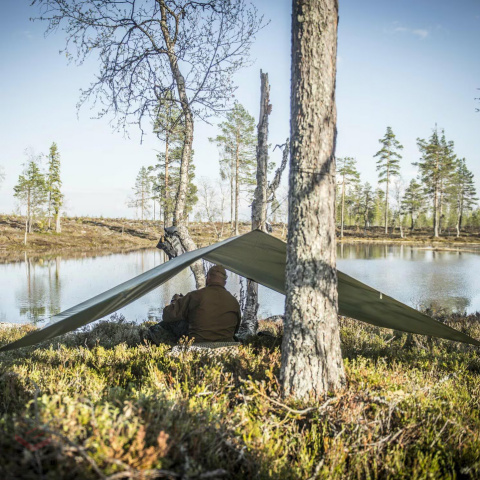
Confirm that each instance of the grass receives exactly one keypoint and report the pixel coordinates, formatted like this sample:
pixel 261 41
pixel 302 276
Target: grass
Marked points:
pixel 101 404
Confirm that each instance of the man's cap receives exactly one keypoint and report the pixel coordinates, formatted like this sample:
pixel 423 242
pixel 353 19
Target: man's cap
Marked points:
pixel 217 270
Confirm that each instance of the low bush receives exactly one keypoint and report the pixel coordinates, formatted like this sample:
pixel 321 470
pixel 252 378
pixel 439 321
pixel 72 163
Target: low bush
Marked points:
pixel 101 403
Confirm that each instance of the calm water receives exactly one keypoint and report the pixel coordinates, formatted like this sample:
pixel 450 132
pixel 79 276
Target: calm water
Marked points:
pixel 35 289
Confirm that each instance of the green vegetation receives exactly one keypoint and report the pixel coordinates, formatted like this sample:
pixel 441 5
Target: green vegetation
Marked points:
pixel 236 143
pixel 442 198
pixel 54 184
pixel 31 192
pixel 100 403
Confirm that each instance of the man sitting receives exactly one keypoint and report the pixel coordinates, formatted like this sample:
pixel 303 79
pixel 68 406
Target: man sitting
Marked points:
pixel 210 314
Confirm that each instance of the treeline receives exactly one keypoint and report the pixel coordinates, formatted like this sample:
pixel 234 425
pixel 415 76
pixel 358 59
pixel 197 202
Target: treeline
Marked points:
pixel 441 197
pixel 38 191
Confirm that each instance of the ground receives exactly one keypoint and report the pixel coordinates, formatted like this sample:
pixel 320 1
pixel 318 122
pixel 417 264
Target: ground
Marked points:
pixel 106 235
pixel 102 404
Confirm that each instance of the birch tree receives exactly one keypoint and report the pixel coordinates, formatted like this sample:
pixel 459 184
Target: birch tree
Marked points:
pixel 311 357
pixel 147 48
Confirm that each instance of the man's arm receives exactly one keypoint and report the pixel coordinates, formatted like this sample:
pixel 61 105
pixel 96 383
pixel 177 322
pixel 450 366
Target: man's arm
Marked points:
pixel 176 311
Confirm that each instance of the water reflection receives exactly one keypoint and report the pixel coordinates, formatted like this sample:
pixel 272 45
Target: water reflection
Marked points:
pixel 39 296
pixel 418 276
pixel 34 289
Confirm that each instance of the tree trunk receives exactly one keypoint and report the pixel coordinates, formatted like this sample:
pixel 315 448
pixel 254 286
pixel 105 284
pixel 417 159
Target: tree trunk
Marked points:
pixel 435 212
pixel 237 185
pixel 166 215
pixel 343 208
pixel 232 197
pixel 49 209
pixel 179 217
pixel 26 231
pixel 311 357
pixel 259 206
pixel 58 226
pixel 386 204
pixel 460 218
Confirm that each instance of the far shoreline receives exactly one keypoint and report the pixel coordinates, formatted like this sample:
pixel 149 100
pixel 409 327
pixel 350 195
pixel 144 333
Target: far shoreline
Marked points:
pixel 85 236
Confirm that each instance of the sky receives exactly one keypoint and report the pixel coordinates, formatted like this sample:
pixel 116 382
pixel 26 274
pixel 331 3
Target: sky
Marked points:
pixel 407 64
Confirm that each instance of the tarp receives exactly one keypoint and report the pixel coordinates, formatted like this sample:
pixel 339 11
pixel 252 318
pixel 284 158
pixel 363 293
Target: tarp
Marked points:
pixel 260 257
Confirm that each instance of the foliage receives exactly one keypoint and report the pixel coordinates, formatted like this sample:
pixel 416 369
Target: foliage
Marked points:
pixel 462 191
pixel 31 190
pixel 348 176
pixel 388 164
pixel 236 143
pixel 167 190
pixel 435 166
pixel 443 196
pixel 100 402
pixel 54 184
pixel 142 193
pixel 169 126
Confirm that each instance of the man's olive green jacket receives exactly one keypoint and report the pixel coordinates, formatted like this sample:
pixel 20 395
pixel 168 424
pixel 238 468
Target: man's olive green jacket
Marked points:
pixel 213 314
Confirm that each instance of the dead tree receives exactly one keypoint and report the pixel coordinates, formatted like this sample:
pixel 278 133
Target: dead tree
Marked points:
pixel 264 193
pixel 311 357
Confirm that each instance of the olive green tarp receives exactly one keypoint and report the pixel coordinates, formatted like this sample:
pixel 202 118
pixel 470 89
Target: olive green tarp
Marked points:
pixel 260 257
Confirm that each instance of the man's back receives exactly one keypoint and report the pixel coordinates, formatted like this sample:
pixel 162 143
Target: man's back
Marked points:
pixel 213 314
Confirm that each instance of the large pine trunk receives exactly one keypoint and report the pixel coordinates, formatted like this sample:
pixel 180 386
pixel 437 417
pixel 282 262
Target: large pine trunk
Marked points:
pixel 311 357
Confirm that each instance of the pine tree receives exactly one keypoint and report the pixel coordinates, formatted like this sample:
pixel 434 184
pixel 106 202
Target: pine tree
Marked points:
pixel 31 191
pixel 379 206
pixel 367 203
pixel 347 174
pixel 463 192
pixel 446 183
pixel 413 202
pixel 236 143
pixel 142 193
pixel 388 164
pixel 436 165
pixel 54 183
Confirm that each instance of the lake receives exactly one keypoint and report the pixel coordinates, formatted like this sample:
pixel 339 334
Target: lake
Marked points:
pixel 34 289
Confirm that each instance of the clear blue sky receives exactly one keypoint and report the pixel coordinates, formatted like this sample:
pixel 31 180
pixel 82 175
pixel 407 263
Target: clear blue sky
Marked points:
pixel 407 64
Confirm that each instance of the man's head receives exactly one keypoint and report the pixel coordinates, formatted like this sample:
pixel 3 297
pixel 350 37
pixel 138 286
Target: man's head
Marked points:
pixel 217 275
